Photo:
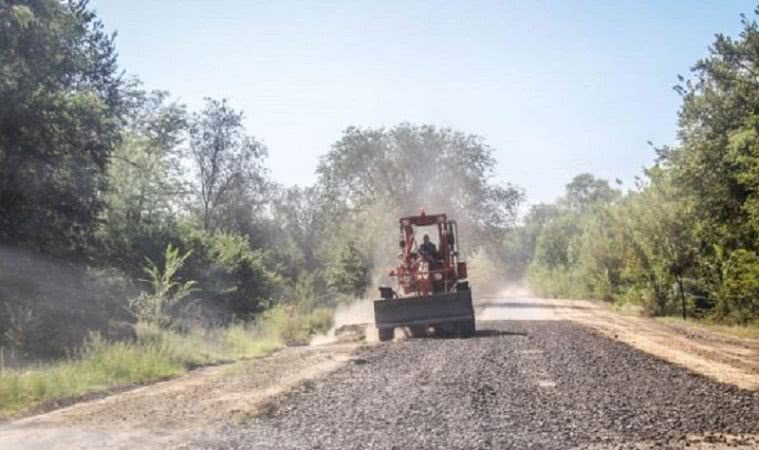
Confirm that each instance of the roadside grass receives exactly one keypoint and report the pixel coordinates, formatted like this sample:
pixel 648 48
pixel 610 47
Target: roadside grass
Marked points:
pixel 741 331
pixel 157 354
pixel 629 309
pixel 294 327
pixel 97 366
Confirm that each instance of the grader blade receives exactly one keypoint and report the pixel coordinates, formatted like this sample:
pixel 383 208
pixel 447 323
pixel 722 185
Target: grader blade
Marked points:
pixel 452 311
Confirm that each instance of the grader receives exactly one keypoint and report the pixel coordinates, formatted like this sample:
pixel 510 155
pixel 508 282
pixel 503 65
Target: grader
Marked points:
pixel 432 294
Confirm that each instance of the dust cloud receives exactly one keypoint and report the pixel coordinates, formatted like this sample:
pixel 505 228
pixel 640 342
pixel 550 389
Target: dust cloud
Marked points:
pixel 352 321
pixel 49 305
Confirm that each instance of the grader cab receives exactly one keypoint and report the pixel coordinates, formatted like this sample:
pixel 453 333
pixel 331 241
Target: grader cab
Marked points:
pixel 432 294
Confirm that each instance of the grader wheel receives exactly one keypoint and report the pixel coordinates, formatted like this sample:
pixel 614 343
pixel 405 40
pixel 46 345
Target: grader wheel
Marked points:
pixel 386 334
pixel 417 330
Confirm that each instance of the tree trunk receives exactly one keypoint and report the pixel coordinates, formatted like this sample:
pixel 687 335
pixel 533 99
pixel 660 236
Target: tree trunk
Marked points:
pixel 682 296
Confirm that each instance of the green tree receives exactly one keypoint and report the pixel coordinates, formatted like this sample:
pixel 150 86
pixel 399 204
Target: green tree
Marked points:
pixel 717 163
pixel 585 191
pixel 739 296
pixel 348 273
pixel 230 181
pixel 409 167
pixel 146 189
pixel 59 122
pixel 299 223
pixel 233 278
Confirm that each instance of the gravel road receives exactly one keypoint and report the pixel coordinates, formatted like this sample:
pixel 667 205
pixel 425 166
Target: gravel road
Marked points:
pixel 518 384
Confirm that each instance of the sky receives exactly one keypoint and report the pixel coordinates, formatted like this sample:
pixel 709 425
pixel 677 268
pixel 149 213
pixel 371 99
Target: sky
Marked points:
pixel 556 88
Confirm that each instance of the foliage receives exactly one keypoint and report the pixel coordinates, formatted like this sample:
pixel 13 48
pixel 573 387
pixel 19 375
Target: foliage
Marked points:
pixel 97 366
pixel 608 246
pixel 408 167
pixel 294 325
pixel 232 277
pixel 685 240
pixel 167 289
pixel 299 226
pixel 739 296
pixel 348 273
pixel 59 123
pixel 146 186
pixel 230 179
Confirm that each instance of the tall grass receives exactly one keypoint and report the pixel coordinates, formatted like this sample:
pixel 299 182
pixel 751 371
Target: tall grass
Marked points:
pixel 97 365
pixel 293 326
pixel 158 353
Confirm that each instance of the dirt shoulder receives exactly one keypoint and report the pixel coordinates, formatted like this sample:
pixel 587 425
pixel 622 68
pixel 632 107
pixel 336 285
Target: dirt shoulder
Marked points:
pixel 722 357
pixel 168 413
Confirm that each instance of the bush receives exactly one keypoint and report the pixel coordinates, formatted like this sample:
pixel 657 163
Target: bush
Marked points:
pixel 294 326
pixel 557 282
pixel 167 289
pixel 739 295
pixel 232 277
pixel 348 272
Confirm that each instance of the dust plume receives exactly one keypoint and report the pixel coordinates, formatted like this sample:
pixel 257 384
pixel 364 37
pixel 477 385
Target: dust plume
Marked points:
pixel 352 321
pixel 48 306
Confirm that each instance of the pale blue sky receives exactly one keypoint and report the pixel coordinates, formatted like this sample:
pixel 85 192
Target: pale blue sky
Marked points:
pixel 556 87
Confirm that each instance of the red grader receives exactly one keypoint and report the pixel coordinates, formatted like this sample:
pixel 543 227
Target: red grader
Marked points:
pixel 432 294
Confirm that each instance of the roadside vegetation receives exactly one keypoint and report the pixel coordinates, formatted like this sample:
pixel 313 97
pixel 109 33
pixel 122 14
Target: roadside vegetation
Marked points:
pixel 684 240
pixel 160 347
pixel 139 238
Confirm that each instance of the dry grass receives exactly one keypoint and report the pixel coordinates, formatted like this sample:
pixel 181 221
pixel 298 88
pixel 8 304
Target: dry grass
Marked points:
pixel 740 331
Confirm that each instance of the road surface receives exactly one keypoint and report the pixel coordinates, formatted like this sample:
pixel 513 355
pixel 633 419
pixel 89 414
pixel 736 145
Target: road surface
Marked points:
pixel 540 374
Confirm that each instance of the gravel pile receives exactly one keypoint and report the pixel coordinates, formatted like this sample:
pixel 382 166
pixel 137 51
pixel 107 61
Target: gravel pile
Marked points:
pixel 519 385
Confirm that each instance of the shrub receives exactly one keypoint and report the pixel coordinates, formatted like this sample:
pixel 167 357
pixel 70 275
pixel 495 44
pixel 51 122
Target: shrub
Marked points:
pixel 293 325
pixel 167 289
pixel 739 295
pixel 232 276
pixel 348 272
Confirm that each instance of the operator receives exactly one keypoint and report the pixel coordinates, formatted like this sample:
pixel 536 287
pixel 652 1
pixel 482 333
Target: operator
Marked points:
pixel 428 250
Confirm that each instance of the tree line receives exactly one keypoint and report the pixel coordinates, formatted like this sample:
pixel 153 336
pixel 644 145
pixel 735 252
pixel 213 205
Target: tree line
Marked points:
pixel 116 200
pixel 684 239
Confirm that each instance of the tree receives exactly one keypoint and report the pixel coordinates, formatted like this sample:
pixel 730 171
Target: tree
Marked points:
pixel 586 191
pixel 145 181
pixel 348 273
pixel 408 167
pixel 739 296
pixel 233 278
pixel 59 122
pixel 299 222
pixel 230 179
pixel 717 163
